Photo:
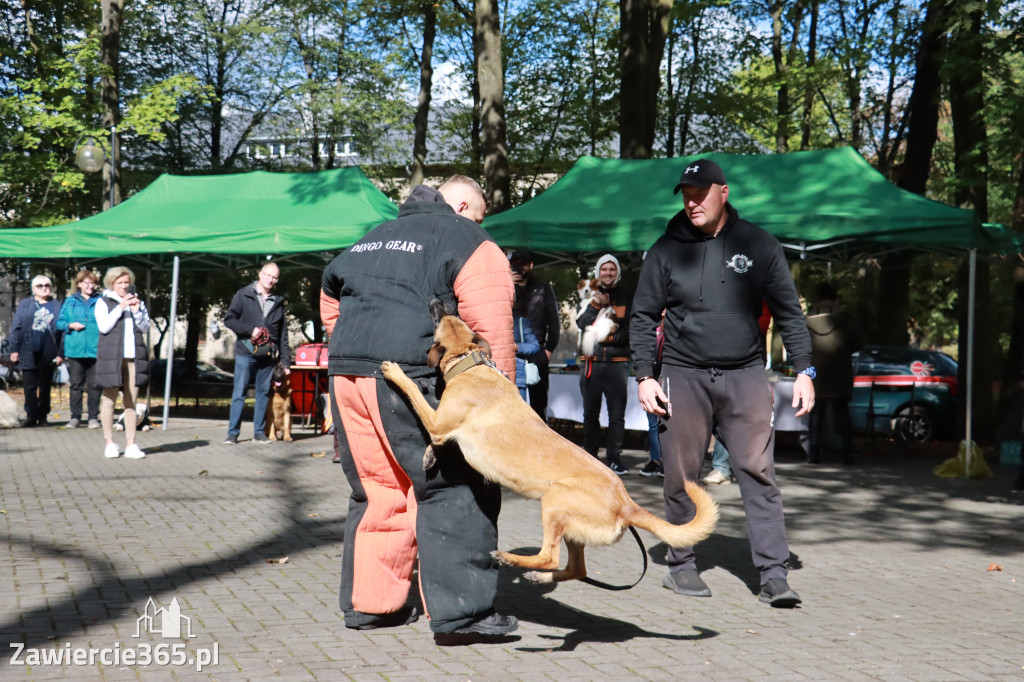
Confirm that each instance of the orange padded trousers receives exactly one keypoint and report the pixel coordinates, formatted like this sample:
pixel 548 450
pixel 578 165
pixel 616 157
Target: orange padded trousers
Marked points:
pixel 448 514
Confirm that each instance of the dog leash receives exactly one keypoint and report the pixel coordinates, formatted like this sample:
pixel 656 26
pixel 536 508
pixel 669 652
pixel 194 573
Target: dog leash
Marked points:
pixel 605 586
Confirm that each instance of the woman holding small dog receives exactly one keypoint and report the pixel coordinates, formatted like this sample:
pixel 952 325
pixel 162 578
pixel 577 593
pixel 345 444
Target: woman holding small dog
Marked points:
pixel 122 361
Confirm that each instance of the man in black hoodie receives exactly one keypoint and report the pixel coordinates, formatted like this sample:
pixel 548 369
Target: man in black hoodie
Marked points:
pixel 710 273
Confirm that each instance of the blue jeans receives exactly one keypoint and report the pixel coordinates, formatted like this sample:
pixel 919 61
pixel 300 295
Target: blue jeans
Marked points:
pixel 653 441
pixel 245 367
pixel 720 459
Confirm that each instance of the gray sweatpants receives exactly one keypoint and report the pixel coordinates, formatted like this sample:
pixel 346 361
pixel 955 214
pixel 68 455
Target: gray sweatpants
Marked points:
pixel 736 405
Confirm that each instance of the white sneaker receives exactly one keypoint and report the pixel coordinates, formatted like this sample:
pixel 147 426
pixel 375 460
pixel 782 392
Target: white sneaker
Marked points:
pixel 111 451
pixel 716 477
pixel 133 452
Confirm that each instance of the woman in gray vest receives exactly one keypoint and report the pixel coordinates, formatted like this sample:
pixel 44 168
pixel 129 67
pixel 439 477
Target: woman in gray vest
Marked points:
pixel 122 363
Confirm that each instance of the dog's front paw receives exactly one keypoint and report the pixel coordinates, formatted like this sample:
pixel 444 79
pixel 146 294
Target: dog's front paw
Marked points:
pixel 390 370
pixel 537 577
pixel 500 557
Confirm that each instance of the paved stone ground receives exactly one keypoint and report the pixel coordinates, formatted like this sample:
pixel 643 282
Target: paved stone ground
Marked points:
pixel 891 563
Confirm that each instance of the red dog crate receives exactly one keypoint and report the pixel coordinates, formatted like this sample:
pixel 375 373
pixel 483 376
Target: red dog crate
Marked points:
pixel 311 355
pixel 307 384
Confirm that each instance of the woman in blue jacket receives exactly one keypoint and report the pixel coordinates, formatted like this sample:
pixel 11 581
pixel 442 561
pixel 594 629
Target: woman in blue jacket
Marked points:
pixel 78 322
pixel 36 347
pixel 526 345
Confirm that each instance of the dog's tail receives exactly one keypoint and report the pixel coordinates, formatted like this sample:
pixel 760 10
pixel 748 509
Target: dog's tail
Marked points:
pixel 698 529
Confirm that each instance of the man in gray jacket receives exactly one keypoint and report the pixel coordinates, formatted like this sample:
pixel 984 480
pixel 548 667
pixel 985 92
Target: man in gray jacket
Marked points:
pixel 257 316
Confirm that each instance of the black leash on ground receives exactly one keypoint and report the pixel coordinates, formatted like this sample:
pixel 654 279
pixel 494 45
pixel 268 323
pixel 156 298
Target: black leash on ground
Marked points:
pixel 605 586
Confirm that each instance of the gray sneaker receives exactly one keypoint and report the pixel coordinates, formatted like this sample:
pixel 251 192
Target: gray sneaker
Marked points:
pixel 687 582
pixel 73 423
pixel 94 423
pixel 776 592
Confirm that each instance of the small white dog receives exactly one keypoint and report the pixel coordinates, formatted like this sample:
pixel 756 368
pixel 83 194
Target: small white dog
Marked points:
pixel 8 408
pixel 603 327
pixel 142 422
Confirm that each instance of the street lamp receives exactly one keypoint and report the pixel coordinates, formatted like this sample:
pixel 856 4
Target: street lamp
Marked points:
pixel 90 154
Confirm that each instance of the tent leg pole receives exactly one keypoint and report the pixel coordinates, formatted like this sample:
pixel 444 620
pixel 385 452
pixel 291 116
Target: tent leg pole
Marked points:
pixel 149 305
pixel 971 284
pixel 170 355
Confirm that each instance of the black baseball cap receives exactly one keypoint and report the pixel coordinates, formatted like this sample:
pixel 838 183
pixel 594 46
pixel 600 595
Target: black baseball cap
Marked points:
pixel 701 173
pixel 521 254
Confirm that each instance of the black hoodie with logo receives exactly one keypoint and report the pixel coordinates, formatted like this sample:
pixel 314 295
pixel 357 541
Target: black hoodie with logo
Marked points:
pixel 712 289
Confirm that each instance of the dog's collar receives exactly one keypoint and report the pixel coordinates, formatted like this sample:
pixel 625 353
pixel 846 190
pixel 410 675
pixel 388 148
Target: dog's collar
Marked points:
pixel 475 358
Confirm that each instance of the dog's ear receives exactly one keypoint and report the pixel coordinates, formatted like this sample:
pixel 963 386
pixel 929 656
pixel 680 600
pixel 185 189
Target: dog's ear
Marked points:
pixel 438 310
pixel 482 342
pixel 435 354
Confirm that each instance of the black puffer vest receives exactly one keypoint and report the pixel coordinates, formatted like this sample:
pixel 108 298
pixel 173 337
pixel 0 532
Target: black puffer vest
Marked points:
pixel 110 353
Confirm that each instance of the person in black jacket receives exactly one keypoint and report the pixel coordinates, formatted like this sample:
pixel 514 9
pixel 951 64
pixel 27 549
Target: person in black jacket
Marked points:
pixel 374 302
pixel 536 300
pixel 36 346
pixel 606 371
pixel 834 339
pixel 710 272
pixel 257 316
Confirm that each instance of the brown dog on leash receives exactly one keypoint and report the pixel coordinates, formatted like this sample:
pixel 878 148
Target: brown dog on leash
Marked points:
pixel 279 407
pixel 582 500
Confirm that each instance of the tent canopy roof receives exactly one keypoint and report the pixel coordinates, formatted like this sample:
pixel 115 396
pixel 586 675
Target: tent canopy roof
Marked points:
pixel 829 203
pixel 246 214
pixel 817 198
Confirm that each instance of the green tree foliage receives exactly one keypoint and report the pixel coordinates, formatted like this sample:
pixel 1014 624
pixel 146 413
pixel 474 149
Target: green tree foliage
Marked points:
pixel 49 99
pixel 562 82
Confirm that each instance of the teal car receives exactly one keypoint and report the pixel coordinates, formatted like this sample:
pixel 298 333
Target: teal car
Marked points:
pixel 908 393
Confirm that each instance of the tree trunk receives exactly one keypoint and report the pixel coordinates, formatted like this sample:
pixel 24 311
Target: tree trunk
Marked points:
pixel 671 94
pixel 894 279
pixel 781 73
pixel 195 319
pixel 970 143
pixel 110 51
pixel 812 47
pixel 419 144
pixel 493 147
pixel 643 30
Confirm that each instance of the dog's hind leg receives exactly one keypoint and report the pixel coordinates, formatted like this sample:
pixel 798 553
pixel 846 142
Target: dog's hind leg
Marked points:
pixel 429 458
pixel 547 558
pixel 575 568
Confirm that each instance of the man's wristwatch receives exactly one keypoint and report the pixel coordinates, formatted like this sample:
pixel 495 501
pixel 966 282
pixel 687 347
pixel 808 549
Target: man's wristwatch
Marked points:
pixel 640 380
pixel 810 372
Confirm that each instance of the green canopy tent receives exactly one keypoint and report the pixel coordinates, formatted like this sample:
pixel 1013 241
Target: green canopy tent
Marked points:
pixel 213 221
pixel 216 221
pixel 828 203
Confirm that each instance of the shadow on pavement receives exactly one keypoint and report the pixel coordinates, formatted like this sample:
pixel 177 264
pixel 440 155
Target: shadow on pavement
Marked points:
pixel 532 602
pixel 112 594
